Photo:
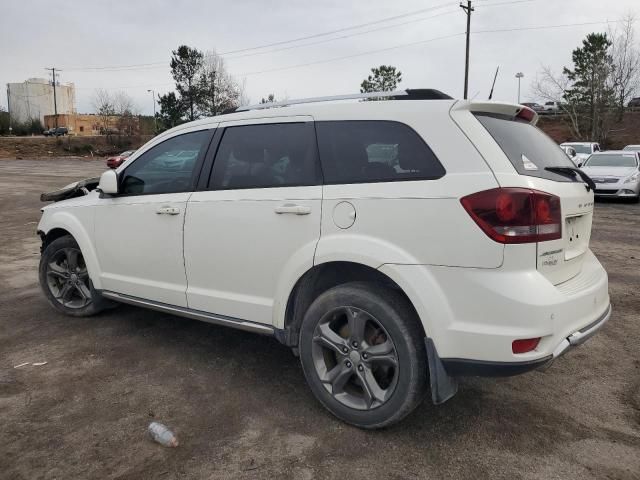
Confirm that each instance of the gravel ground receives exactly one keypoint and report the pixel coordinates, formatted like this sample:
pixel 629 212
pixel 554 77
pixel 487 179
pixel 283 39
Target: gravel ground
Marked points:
pixel 239 404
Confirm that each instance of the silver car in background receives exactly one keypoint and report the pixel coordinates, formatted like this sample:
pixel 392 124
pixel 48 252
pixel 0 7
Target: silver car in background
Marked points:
pixel 616 173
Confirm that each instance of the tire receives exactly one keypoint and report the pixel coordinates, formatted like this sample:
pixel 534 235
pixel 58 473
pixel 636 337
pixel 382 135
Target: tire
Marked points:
pixel 65 281
pixel 337 370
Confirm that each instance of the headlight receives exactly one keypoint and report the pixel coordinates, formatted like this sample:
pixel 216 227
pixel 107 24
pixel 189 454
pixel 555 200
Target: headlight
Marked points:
pixel 633 178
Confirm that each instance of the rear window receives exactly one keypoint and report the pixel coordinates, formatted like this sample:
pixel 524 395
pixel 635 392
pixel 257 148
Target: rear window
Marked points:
pixel 528 149
pixel 367 151
pixel 612 160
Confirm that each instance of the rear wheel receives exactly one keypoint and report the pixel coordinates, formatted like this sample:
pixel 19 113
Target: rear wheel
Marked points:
pixel 65 280
pixel 363 355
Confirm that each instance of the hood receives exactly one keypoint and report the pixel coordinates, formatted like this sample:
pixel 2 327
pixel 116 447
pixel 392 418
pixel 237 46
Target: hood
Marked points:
pixel 75 189
pixel 616 172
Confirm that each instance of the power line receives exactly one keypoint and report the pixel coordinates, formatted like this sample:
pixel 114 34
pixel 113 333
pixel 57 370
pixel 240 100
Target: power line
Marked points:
pixel 351 56
pixel 369 52
pixel 232 53
pixel 259 47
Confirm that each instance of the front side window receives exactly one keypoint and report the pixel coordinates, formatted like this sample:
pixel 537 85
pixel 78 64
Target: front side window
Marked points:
pixel 169 167
pixel 363 151
pixel 266 156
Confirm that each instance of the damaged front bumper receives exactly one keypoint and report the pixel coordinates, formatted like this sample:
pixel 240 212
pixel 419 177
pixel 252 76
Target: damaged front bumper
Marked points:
pixel 76 189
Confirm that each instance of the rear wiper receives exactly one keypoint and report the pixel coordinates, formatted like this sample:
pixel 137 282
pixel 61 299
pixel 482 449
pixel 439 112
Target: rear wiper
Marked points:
pixel 572 171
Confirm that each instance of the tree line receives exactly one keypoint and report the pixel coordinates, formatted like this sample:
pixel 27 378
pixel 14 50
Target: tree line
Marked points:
pixel 593 92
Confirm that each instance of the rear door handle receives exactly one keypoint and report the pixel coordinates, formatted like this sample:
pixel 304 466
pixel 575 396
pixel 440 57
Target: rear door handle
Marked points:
pixel 294 209
pixel 168 211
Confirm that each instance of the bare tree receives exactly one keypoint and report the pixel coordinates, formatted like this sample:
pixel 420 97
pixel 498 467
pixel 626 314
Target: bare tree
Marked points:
pixel 104 107
pixel 554 88
pixel 218 90
pixel 626 61
pixel 126 110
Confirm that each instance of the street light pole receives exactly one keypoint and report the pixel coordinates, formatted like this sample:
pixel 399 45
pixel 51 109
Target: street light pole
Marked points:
pixel 519 76
pixel 155 120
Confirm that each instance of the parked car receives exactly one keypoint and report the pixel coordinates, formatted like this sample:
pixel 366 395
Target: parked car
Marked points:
pixel 552 107
pixel 571 153
pixel 583 150
pixel 534 106
pixel 56 132
pixel 394 245
pixel 632 148
pixel 634 102
pixel 616 173
pixel 116 161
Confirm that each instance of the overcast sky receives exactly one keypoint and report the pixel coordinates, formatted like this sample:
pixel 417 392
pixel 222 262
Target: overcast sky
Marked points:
pixel 74 35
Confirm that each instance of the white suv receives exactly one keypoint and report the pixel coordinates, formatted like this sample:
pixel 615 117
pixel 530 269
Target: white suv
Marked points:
pixel 392 244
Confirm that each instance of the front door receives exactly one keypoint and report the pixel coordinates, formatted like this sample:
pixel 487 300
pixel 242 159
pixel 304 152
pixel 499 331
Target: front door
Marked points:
pixel 139 231
pixel 258 223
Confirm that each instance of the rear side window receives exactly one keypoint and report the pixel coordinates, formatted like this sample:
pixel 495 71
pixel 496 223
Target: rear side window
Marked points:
pixel 266 156
pixel 528 149
pixel 363 151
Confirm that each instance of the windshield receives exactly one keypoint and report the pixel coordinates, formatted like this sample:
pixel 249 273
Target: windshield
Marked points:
pixel 612 160
pixel 581 148
pixel 528 148
pixel 632 148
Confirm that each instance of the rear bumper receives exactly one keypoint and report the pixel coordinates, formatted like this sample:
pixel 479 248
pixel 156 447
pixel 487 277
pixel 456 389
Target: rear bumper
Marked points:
pixel 474 315
pixel 462 367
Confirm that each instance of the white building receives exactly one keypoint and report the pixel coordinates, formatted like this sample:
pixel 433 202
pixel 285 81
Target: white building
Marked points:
pixel 33 99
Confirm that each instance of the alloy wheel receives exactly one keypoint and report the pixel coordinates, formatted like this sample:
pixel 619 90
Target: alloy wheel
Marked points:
pixel 355 358
pixel 68 279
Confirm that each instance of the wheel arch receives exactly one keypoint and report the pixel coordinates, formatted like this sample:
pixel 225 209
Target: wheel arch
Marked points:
pixel 61 223
pixel 320 278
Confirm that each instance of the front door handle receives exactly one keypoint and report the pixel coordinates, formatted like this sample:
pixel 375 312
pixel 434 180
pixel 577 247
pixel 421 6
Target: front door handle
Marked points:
pixel 168 211
pixel 293 209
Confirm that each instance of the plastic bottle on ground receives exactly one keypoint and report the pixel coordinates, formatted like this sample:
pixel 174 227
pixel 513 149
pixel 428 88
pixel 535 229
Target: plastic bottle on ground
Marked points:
pixel 161 434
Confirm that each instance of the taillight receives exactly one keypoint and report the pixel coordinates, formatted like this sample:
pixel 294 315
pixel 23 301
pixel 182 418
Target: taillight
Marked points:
pixel 526 114
pixel 516 215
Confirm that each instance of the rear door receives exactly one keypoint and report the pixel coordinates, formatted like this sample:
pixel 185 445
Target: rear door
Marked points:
pixel 529 152
pixel 257 224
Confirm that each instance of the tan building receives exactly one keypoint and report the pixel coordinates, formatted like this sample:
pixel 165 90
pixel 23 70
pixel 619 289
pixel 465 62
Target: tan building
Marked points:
pixel 90 124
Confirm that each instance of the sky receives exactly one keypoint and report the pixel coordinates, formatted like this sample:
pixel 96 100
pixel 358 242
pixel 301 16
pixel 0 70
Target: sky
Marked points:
pixel 92 41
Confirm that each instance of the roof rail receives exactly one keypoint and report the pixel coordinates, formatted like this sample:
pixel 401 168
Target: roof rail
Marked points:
pixel 409 94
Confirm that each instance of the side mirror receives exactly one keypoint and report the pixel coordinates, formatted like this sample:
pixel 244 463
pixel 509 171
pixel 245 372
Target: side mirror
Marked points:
pixel 109 182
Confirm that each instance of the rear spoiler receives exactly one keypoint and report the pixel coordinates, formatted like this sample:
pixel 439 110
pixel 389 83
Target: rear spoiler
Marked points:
pixel 500 108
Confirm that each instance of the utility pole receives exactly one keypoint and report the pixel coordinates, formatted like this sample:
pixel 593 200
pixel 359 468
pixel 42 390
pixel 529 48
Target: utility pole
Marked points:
pixel 155 120
pixel 519 76
pixel 55 101
pixel 467 10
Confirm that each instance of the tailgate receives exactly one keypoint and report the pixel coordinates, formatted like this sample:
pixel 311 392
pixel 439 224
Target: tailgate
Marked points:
pixel 561 260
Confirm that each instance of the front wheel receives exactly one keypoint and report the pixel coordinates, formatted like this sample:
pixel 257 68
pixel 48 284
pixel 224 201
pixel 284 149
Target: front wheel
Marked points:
pixel 363 355
pixel 65 281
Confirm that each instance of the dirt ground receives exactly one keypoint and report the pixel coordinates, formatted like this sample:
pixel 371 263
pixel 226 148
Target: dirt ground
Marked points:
pixel 239 404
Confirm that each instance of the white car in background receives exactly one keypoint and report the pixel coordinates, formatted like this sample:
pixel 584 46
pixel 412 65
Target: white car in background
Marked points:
pixel 571 153
pixel 583 150
pixel 394 245
pixel 632 148
pixel 616 173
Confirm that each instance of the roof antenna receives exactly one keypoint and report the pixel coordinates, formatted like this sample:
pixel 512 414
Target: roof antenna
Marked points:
pixel 494 82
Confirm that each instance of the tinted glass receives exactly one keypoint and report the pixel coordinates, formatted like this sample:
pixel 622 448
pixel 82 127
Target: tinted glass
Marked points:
pixel 167 168
pixel 582 148
pixel 528 149
pixel 374 151
pixel 612 160
pixel 266 156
